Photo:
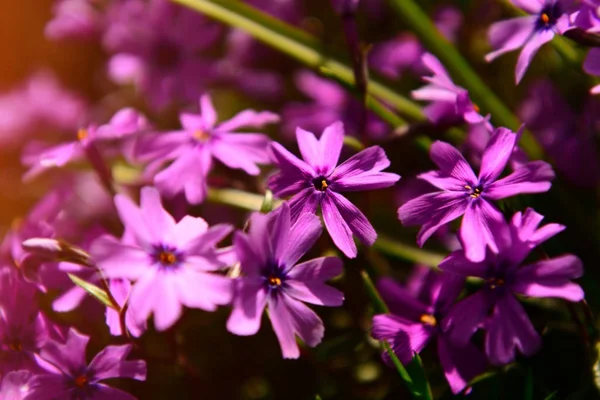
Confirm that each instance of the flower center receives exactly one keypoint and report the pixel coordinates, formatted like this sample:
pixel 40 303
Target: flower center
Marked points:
pixel 428 319
pixel 82 134
pixel 474 192
pixel 320 183
pixel 16 345
pixel 201 135
pixel 274 281
pixel 81 381
pixel 549 15
pixel 496 283
pixel 167 258
pixel 476 108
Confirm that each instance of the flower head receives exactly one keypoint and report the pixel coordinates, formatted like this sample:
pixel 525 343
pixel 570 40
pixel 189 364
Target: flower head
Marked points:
pixel 69 376
pixel 172 263
pixel 416 312
pixel 317 180
pixel 201 139
pixel 15 385
pixel 547 17
pixel 463 192
pixel 508 326
pixel 272 278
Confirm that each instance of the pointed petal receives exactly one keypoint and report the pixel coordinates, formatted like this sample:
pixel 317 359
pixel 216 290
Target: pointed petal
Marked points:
pixel 452 162
pixel 314 292
pixel 248 118
pixel 111 363
pixel 208 113
pixel 356 220
pixel 460 364
pixel 249 303
pixel 458 263
pixel 496 154
pixel 509 328
pixel 537 40
pixel 338 229
pixel 466 317
pixel 305 202
pixel 119 260
pixel 133 220
pixel 393 330
pixel 294 173
pixel 509 35
pixel 532 177
pixel 157 219
pixel 480 226
pixel 331 143
pixel 302 236
pixel 551 278
pixel 318 269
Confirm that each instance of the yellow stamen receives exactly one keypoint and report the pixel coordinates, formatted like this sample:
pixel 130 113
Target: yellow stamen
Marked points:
pixel 324 184
pixel 428 319
pixel 274 281
pixel 545 18
pixel 476 107
pixel 167 258
pixel 494 283
pixel 201 135
pixel 81 381
pixel 82 134
pixel 16 346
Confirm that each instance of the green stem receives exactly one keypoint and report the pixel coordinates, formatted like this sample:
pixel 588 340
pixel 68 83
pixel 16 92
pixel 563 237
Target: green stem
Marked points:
pixel 460 69
pixel 405 252
pixel 297 44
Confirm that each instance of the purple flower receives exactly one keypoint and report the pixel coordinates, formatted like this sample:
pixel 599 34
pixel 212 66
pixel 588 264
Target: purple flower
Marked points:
pixel 157 46
pixel 39 157
pixel 415 314
pixel 317 181
pixel 330 102
pixel 450 103
pixel 268 254
pixel 15 385
pixel 74 19
pixel 462 192
pixel 508 326
pixel 547 18
pixel 70 377
pixel 172 263
pixel 201 139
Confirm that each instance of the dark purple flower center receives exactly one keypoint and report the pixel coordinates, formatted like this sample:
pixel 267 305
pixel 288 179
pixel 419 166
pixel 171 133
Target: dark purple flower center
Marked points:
pixel 474 191
pixel 16 345
pixel 320 183
pixel 81 381
pixel 548 16
pixel 274 277
pixel 496 283
pixel 167 256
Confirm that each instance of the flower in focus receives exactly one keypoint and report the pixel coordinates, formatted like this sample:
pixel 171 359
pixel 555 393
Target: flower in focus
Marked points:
pixel 172 263
pixel 449 103
pixel 70 377
pixel 201 139
pixel 462 192
pixel 548 17
pixel 508 326
pixel 268 254
pixel 317 180
pixel 416 312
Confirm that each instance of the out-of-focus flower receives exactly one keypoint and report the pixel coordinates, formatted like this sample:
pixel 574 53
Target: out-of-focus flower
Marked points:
pixel 548 17
pixel 15 385
pixel 172 263
pixel 38 157
pixel 508 326
pixel 395 56
pixel 69 376
pixel 201 139
pixel 462 192
pixel 330 103
pixel 78 19
pixel 567 137
pixel 591 66
pixel 449 103
pixel 40 103
pixel 268 254
pixel 317 180
pixel 157 46
pixel 414 320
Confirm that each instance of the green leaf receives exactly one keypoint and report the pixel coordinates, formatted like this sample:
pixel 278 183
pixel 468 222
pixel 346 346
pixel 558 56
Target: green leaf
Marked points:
pixel 354 143
pixel 529 384
pixel 552 395
pixel 300 45
pixel 93 290
pixel 407 252
pixel 267 204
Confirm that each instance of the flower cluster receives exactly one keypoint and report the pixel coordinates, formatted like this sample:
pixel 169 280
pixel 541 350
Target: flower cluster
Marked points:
pixel 167 209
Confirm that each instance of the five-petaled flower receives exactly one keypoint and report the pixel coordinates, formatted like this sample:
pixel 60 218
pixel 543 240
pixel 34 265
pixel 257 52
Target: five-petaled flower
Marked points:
pixel 268 255
pixel 318 179
pixel 69 376
pixel 172 263
pixel 462 192
pixel 508 326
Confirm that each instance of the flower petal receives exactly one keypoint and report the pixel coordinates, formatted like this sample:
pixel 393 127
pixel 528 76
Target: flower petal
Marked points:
pixel 294 173
pixel 249 303
pixel 118 260
pixel 481 226
pixel 458 263
pixel 509 328
pixel 451 162
pixel 532 177
pixel 314 292
pixel 318 269
pixel 303 234
pixel 460 364
pixel 111 363
pixel 466 317
pixel 248 118
pixel 509 35
pixel 496 154
pixel 68 357
pixel 536 41
pixel 356 220
pixel 551 278
pixel 338 229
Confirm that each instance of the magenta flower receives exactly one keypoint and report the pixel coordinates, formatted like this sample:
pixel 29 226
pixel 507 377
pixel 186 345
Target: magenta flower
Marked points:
pixel 172 263
pixel 462 192
pixel 508 326
pixel 70 377
pixel 548 17
pixel 268 254
pixel 78 19
pixel 201 139
pixel 317 181
pixel 416 313
pixel 449 103
pixel 15 385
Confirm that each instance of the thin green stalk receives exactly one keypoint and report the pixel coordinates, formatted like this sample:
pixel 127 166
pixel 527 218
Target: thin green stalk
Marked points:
pixel 405 252
pixel 460 69
pixel 297 44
